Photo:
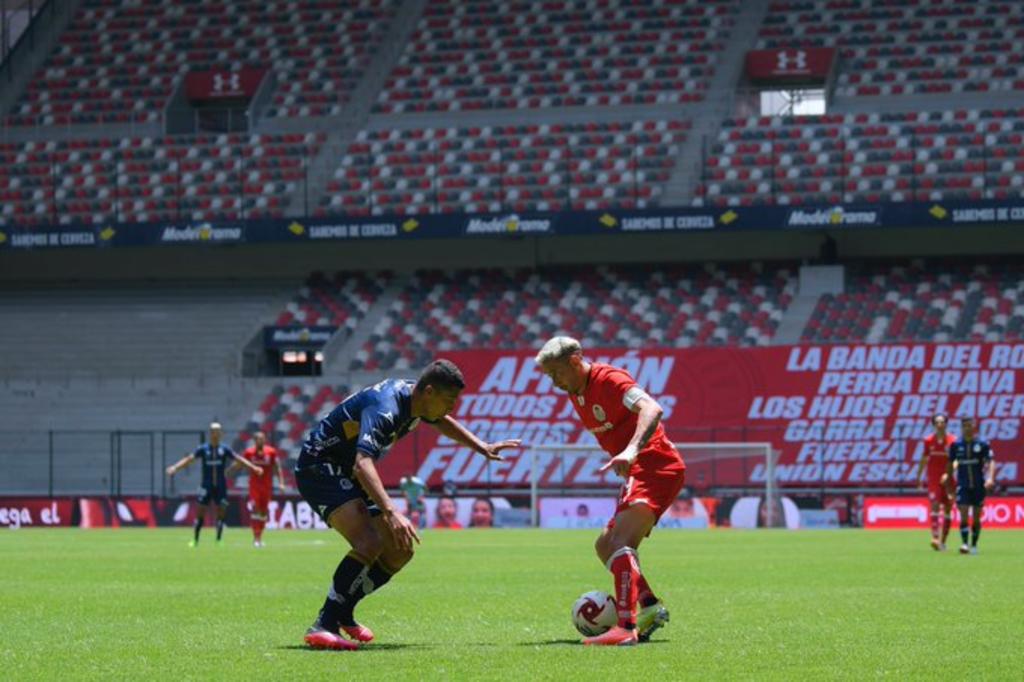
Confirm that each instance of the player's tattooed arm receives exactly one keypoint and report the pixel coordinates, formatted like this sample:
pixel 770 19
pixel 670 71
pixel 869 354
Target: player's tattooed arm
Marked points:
pixel 460 434
pixel 649 414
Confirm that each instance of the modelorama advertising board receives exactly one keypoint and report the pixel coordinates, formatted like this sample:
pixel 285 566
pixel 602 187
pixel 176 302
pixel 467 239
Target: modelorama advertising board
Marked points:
pixel 841 416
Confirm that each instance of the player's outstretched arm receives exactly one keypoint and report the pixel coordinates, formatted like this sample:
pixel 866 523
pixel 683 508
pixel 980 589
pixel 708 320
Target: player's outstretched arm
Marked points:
pixel 401 528
pixel 242 461
pixel 180 464
pixel 648 417
pixel 460 434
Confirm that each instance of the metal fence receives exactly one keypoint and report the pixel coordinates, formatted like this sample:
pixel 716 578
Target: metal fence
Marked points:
pixel 96 462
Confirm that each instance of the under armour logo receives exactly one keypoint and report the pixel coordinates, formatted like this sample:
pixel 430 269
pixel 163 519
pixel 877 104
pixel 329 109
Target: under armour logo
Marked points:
pixel 796 60
pixel 226 81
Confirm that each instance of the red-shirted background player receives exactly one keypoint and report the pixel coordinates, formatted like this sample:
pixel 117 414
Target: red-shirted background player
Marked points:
pixel 261 487
pixel 933 461
pixel 627 424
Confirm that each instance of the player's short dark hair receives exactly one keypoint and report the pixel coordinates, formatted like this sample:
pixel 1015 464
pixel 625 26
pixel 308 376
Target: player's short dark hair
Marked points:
pixel 967 418
pixel 441 374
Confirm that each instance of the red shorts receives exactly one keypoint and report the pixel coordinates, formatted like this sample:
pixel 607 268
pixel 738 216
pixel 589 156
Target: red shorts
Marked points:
pixel 939 494
pixel 260 499
pixel 656 488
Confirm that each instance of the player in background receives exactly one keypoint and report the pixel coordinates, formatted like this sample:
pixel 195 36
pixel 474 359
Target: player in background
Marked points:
pixel 413 488
pixel 934 461
pixel 627 424
pixel 972 461
pixel 336 475
pixel 214 489
pixel 261 488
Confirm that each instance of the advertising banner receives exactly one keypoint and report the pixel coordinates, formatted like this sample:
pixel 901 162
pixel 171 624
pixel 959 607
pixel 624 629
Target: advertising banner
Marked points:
pixel 787 66
pixel 513 225
pixel 29 512
pixel 913 512
pixel 297 337
pixel 840 416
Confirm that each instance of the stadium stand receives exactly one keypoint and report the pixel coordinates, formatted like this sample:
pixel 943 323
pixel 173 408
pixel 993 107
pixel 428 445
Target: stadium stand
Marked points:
pixel 673 305
pixel 140 179
pixel 341 300
pixel 316 48
pixel 157 331
pixel 911 47
pixel 922 156
pixel 923 301
pixel 523 167
pixel 504 54
pixel 288 412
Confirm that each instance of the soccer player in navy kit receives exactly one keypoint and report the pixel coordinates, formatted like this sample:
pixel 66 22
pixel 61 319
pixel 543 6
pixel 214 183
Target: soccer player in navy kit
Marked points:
pixel 971 460
pixel 214 489
pixel 335 473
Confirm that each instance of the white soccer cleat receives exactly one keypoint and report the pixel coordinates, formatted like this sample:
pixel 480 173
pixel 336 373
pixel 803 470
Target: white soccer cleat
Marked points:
pixel 650 619
pixel 974 549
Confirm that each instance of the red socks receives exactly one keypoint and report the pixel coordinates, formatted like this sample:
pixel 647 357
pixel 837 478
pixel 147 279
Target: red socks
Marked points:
pixel 935 525
pixel 626 576
pixel 945 527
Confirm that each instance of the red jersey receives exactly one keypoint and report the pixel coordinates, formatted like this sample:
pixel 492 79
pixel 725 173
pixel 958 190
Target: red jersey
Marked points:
pixel 266 458
pixel 937 452
pixel 602 409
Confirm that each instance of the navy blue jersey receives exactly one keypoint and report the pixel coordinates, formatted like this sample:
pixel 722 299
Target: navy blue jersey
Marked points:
pixel 213 461
pixel 970 459
pixel 369 421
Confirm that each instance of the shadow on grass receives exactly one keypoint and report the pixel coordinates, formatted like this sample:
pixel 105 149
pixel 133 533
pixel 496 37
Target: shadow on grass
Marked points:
pixel 386 646
pixel 576 642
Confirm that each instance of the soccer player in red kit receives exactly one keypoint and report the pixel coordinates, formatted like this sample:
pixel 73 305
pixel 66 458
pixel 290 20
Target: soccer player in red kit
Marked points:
pixel 261 487
pixel 627 424
pixel 934 460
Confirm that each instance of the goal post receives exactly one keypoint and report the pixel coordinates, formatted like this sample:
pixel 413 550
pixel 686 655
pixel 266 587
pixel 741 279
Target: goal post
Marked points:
pixel 557 469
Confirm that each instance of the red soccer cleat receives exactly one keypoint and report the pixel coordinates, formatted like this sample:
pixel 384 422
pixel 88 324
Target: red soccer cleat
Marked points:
pixel 617 636
pixel 319 638
pixel 358 632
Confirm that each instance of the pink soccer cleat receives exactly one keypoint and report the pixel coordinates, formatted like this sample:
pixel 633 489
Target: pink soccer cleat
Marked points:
pixel 358 632
pixel 617 636
pixel 936 544
pixel 320 638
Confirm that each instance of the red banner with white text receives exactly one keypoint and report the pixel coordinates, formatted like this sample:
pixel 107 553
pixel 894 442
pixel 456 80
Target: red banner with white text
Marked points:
pixel 841 416
pixel 913 512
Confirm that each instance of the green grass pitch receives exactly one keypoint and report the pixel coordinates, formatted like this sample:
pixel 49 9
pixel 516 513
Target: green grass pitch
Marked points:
pixel 139 604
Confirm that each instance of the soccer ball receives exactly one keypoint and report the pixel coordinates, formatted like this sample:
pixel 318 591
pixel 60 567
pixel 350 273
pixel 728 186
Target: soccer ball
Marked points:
pixel 594 613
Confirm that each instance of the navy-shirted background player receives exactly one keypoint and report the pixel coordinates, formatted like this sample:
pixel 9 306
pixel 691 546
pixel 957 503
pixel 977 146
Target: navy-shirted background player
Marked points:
pixel 972 461
pixel 336 475
pixel 214 490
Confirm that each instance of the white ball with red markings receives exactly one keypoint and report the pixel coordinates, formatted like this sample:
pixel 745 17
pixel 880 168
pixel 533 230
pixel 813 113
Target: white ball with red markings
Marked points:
pixel 594 613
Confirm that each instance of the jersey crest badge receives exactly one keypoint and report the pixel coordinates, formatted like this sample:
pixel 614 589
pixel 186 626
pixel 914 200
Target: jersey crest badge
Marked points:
pixel 599 414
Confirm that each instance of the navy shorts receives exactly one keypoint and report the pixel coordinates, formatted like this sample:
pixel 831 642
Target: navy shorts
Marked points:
pixel 970 497
pixel 325 488
pixel 217 494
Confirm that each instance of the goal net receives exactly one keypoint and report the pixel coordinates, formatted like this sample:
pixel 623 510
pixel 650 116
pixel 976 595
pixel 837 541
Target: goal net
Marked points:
pixel 573 471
